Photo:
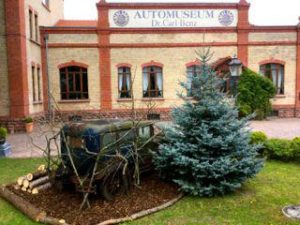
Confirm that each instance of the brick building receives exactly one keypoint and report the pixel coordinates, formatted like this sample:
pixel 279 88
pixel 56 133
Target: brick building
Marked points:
pixel 87 66
pixel 21 92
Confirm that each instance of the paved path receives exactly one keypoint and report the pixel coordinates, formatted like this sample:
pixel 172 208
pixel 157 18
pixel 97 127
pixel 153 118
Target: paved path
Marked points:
pixel 34 144
pixel 24 145
pixel 279 128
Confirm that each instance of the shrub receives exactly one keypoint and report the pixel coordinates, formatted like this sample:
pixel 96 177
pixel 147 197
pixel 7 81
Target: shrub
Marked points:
pixel 281 149
pixel 244 110
pixel 3 132
pixel 296 145
pixel 258 137
pixel 28 120
pixel 255 92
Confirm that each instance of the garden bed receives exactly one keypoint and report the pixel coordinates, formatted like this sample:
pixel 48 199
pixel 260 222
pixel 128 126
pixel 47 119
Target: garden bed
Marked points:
pixel 65 205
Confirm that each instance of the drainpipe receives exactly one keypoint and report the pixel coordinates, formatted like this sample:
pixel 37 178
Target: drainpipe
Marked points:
pixel 46 38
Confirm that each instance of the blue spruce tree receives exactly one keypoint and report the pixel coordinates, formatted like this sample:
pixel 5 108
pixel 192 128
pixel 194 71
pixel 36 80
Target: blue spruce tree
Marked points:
pixel 207 152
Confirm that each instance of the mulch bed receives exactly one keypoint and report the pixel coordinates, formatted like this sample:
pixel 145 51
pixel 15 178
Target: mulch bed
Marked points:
pixel 153 192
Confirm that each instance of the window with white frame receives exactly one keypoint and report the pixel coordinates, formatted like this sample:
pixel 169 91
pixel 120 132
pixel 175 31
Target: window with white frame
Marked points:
pixel 36 27
pixel 275 72
pixel 124 77
pixel 30 24
pixel 152 82
pixel 39 84
pixel 33 83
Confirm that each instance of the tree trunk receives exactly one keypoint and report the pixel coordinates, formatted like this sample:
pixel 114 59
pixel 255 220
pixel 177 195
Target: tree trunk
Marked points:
pixel 41 168
pixel 22 205
pixel 20 180
pixel 36 175
pixel 141 214
pixel 28 209
pixel 53 221
pixel 24 189
pixel 41 188
pixel 38 182
pixel 25 183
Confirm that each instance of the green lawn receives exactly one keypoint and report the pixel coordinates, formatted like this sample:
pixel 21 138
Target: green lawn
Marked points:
pixel 259 202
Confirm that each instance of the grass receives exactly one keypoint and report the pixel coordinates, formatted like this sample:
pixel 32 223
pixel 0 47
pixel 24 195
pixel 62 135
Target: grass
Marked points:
pixel 10 170
pixel 258 202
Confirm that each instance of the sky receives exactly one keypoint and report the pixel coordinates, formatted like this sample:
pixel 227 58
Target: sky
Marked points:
pixel 262 12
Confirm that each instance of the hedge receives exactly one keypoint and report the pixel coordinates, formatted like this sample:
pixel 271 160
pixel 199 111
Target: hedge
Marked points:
pixel 277 148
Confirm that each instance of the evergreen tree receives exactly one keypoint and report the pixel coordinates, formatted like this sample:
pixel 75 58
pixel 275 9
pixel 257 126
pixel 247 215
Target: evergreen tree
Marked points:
pixel 207 151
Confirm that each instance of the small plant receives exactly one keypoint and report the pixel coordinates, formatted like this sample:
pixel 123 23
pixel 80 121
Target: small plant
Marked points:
pixel 3 133
pixel 28 124
pixel 258 137
pixel 28 120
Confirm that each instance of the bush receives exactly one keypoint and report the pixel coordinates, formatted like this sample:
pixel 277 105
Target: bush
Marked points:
pixel 255 92
pixel 282 149
pixel 244 110
pixel 28 120
pixel 258 137
pixel 3 132
pixel 296 145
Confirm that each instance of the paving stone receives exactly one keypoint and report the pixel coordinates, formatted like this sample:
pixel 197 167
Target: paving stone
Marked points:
pixel 30 145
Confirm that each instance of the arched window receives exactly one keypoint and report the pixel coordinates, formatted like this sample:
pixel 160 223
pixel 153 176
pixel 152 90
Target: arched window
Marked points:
pixel 74 83
pixel 191 72
pixel 152 82
pixel 124 74
pixel 274 72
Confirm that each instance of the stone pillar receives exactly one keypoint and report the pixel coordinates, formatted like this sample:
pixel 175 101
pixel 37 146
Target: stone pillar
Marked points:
pixel 243 31
pixel 16 53
pixel 104 55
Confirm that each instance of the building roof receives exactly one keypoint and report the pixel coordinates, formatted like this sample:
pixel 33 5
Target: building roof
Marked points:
pixel 76 23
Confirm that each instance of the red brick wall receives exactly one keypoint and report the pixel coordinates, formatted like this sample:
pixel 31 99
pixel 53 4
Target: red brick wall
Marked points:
pixel 104 57
pixel 16 52
pixel 243 31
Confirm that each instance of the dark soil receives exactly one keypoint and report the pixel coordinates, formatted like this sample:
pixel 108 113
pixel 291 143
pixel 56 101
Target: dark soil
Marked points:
pixel 65 205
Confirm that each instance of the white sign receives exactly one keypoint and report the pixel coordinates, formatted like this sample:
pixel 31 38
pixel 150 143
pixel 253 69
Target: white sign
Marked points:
pixel 165 18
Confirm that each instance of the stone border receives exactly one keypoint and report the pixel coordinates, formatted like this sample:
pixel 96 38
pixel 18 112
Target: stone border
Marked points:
pixel 41 216
pixel 286 214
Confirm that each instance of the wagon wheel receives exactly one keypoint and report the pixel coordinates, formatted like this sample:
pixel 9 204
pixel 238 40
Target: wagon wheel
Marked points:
pixel 113 183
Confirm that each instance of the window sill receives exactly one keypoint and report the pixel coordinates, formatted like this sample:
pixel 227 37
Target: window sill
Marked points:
pixel 153 99
pixel 34 42
pixel 38 103
pixel 279 96
pixel 124 100
pixel 75 101
pixel 46 7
